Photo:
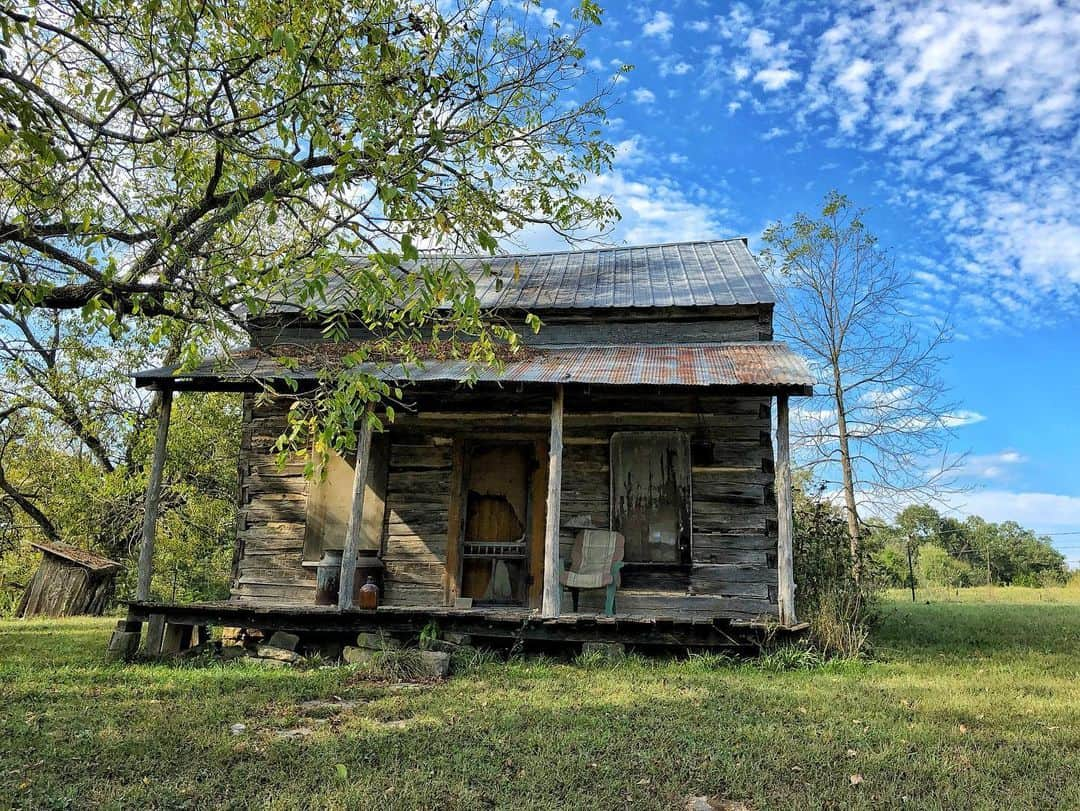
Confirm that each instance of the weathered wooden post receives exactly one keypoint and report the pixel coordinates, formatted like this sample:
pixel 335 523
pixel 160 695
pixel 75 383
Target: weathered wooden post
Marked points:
pixel 356 513
pixel 125 639
pixel 153 497
pixel 552 599
pixel 785 574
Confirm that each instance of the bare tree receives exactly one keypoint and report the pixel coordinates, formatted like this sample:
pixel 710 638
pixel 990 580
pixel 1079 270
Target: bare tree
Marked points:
pixel 881 421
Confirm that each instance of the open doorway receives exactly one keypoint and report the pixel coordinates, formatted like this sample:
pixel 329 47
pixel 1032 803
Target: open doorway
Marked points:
pixel 497 541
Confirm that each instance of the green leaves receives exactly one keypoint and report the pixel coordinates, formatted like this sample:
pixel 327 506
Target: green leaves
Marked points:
pixel 221 158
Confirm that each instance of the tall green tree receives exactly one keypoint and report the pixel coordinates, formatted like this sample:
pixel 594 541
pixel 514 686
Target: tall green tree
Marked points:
pixel 196 160
pixel 172 167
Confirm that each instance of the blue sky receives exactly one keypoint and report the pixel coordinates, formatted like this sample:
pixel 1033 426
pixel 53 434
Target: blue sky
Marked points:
pixel 955 122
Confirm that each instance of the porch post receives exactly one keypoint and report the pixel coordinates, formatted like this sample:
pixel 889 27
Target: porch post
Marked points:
pixel 153 496
pixel 784 516
pixel 552 600
pixel 356 514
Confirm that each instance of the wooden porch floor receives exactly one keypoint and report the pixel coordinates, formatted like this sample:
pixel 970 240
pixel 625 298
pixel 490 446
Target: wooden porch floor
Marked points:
pixel 486 623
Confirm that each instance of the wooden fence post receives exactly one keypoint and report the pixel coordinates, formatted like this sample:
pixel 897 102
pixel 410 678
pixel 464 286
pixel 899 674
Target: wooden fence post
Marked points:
pixel 356 513
pixel 153 497
pixel 784 516
pixel 552 600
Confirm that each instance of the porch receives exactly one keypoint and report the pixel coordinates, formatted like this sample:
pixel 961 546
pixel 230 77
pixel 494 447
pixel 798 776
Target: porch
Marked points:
pixel 495 626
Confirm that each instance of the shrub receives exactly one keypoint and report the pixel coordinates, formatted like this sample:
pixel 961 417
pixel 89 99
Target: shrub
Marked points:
pixel 828 596
pixel 937 567
pixel 395 664
pixel 791 657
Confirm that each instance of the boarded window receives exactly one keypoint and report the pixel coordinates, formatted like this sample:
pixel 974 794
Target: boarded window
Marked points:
pixel 650 494
pixel 330 501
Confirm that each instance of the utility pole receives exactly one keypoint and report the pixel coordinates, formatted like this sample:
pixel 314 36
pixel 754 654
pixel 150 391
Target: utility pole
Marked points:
pixel 989 582
pixel 910 570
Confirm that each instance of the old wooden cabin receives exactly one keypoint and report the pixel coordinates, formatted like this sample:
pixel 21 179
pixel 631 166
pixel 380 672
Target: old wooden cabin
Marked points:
pixel 645 405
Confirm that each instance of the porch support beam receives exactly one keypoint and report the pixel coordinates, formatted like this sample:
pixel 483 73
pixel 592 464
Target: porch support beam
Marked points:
pixel 153 497
pixel 784 516
pixel 552 599
pixel 356 512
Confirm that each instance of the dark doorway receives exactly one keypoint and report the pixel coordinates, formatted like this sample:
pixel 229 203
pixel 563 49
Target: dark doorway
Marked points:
pixel 496 543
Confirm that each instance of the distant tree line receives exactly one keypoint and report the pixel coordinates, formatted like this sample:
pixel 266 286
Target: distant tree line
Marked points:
pixel 946 551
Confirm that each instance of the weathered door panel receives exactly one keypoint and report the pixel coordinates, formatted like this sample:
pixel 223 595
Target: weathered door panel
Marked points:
pixel 650 494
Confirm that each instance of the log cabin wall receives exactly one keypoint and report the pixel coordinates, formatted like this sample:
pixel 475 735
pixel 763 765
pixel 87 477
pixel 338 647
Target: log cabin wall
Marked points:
pixel 649 326
pixel 272 515
pixel 733 570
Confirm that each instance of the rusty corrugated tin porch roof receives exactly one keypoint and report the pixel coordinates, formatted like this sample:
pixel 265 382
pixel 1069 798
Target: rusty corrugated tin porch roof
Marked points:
pixel 757 364
pixel 712 273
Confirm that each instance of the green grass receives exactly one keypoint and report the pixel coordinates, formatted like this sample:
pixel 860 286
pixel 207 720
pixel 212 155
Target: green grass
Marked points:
pixel 965 704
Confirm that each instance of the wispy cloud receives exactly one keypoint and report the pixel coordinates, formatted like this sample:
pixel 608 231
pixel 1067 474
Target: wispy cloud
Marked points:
pixel 993 466
pixel 658 26
pixel 975 103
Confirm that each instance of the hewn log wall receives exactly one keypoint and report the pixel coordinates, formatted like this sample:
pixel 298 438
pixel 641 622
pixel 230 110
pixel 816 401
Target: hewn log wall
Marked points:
pixel 273 503
pixel 734 512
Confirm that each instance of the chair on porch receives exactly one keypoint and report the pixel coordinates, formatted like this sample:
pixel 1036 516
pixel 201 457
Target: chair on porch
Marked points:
pixel 594 563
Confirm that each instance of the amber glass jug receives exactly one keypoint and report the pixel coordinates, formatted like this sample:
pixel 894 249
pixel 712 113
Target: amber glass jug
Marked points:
pixel 369 595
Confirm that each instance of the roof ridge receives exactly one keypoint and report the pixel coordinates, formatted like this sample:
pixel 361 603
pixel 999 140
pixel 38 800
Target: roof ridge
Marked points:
pixel 597 249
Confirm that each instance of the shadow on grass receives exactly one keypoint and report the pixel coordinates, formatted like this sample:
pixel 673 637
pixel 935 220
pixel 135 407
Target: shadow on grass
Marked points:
pixel 960 708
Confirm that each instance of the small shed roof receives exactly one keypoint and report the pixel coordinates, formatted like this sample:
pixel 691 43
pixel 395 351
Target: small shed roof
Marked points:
pixel 759 364
pixel 78 556
pixel 713 273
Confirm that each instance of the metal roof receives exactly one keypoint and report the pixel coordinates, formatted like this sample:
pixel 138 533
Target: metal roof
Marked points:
pixel 762 364
pixel 713 273
pixel 79 556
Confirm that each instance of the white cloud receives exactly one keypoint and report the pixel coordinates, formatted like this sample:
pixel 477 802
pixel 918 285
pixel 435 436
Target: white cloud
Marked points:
pixel 659 26
pixel 971 109
pixel 957 419
pixel 679 68
pixel 1032 509
pixel 631 151
pixel 643 95
pixel 677 158
pixel 655 209
pixel 775 132
pixel 550 16
pixel 775 78
pixel 990 465
pixel 701 26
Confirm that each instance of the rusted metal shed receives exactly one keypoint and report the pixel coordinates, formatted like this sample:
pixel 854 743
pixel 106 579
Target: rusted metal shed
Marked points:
pixel 645 406
pixel 69 581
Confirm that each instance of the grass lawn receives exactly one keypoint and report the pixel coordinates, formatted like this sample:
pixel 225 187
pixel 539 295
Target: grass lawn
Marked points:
pixel 966 704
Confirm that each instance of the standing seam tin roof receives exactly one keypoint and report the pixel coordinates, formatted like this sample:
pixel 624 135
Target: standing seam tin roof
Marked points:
pixel 684 274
